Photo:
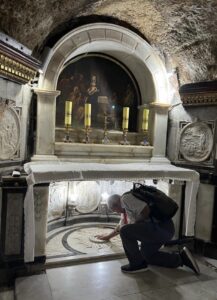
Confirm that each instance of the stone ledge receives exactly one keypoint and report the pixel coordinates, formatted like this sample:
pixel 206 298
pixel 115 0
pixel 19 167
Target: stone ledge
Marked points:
pixel 76 150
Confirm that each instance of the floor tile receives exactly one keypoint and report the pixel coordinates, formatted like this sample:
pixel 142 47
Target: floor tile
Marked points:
pixel 101 281
pixel 211 261
pixel 7 295
pixel 105 281
pixel 137 296
pixel 34 287
pixel 176 276
pixel 188 291
pixel 197 291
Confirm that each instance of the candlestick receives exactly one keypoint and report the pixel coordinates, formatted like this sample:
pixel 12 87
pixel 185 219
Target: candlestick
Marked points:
pixel 125 118
pixel 125 141
pixel 68 120
pixel 105 139
pixel 145 141
pixel 87 115
pixel 86 140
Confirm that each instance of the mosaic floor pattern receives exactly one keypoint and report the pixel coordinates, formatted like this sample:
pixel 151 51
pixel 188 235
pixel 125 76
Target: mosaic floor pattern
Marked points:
pixel 77 240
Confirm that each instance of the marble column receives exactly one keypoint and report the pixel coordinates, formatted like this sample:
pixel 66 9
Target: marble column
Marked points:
pixel 204 213
pixel 41 211
pixel 46 117
pixel 158 131
pixel 175 192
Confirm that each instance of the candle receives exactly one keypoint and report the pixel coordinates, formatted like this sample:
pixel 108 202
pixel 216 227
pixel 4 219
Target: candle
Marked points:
pixel 87 115
pixel 125 117
pixel 68 113
pixel 145 119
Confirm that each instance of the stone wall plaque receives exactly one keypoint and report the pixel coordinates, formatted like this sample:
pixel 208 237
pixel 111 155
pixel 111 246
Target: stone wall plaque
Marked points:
pixel 9 132
pixel 88 196
pixel 57 200
pixel 196 142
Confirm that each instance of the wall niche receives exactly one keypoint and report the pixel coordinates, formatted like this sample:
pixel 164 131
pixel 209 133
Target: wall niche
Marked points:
pixel 103 82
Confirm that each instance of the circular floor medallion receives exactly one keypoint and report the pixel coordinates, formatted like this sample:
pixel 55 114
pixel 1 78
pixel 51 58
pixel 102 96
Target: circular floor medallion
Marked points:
pixel 79 240
pixel 76 240
pixel 94 239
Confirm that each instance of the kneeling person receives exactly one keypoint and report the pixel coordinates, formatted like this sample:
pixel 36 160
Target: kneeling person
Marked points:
pixel 136 225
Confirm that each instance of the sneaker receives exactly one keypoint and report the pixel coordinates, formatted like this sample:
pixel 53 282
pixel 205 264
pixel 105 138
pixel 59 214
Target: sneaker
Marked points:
pixel 134 269
pixel 189 261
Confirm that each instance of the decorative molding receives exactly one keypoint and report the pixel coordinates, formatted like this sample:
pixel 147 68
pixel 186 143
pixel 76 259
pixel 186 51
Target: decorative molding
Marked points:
pixel 159 104
pixel 196 99
pixel 199 93
pixel 163 107
pixel 16 65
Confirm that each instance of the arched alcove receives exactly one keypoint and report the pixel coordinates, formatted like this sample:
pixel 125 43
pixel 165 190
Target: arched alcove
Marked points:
pixel 117 42
pixel 143 63
pixel 115 87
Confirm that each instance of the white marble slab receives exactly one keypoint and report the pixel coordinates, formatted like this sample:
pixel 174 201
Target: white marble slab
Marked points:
pixel 7 295
pixel 41 172
pixel 34 287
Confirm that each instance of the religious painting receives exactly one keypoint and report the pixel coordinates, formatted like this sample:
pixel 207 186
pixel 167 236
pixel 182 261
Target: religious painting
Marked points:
pixel 104 83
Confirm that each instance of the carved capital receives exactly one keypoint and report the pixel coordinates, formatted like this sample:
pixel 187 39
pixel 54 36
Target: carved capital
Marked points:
pixel 46 93
pixel 160 107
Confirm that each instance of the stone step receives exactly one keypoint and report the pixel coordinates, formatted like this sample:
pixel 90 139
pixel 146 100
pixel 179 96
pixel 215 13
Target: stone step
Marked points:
pixel 33 287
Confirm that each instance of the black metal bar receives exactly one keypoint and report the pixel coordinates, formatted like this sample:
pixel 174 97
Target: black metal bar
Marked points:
pixel 214 219
pixel 67 205
pixel 182 210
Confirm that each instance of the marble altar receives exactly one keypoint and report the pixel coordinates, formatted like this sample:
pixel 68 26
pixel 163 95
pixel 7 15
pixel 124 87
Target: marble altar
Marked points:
pixel 46 172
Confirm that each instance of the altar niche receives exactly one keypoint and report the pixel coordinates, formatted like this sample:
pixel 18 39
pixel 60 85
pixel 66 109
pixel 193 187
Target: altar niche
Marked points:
pixel 77 211
pixel 103 82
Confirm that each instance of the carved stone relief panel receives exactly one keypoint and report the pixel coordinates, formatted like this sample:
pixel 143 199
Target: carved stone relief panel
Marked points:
pixel 57 200
pixel 196 142
pixel 9 131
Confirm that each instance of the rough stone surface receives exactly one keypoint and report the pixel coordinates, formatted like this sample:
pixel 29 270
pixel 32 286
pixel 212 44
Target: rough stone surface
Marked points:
pixel 183 32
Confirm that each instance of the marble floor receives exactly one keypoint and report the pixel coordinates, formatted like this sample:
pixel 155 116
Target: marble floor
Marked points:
pixel 105 281
pixel 77 240
pixel 6 294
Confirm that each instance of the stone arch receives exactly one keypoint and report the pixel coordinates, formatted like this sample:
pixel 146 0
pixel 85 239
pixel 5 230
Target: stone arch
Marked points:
pixel 121 44
pixel 118 42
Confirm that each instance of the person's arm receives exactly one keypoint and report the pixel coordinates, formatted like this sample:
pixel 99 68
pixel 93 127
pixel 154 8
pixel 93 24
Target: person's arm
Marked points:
pixel 143 215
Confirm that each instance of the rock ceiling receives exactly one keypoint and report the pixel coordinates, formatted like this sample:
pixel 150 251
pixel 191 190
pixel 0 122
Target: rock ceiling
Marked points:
pixel 185 32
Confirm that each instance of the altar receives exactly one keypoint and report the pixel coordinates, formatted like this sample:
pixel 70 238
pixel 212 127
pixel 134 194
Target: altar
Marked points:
pixel 40 173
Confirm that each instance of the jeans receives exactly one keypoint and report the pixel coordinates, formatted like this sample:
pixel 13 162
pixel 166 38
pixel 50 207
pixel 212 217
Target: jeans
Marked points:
pixel 152 236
